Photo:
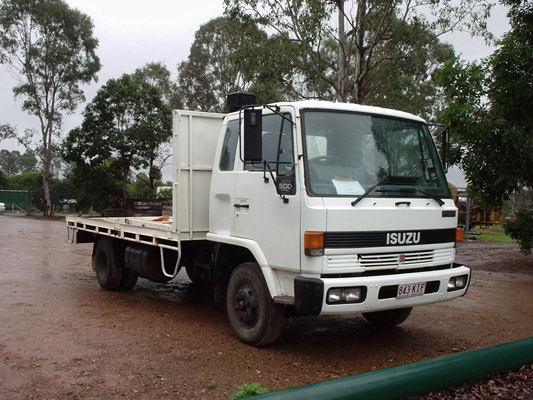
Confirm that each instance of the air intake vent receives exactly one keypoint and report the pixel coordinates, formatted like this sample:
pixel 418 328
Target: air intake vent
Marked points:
pixel 236 101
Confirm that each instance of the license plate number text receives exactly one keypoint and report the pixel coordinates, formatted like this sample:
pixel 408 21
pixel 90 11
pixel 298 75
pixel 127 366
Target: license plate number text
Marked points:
pixel 411 289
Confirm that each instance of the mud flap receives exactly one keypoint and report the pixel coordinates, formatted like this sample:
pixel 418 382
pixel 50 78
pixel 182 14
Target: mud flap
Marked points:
pixel 308 295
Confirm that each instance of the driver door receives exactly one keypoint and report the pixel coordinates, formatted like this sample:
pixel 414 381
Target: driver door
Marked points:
pixel 260 213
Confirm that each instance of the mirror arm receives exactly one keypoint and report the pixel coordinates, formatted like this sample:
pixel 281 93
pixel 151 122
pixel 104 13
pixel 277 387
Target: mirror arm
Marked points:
pixel 265 179
pixel 275 110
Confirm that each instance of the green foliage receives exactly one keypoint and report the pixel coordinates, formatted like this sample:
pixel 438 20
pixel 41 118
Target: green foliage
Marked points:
pixel 165 194
pixel 228 56
pixel 521 230
pixel 97 185
pixel 489 111
pixel 406 82
pixel 140 189
pixel 51 49
pixel 157 75
pixel 376 46
pixel 51 46
pixel 122 130
pixel 12 162
pixel 3 180
pixel 31 181
pixel 247 390
pixel 61 189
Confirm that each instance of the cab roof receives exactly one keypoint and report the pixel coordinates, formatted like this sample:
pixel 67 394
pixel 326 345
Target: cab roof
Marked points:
pixel 333 106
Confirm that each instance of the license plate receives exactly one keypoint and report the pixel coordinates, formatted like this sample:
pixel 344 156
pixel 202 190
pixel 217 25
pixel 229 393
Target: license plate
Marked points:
pixel 411 289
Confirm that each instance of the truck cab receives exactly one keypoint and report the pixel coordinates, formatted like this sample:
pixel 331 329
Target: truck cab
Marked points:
pixel 344 208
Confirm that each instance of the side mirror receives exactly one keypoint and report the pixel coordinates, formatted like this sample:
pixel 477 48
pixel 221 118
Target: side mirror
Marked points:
pixel 253 135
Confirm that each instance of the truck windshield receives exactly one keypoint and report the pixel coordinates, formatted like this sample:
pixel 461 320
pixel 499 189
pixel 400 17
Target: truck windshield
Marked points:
pixel 348 154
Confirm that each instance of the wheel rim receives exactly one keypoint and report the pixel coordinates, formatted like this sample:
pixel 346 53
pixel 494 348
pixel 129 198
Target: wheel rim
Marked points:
pixel 246 306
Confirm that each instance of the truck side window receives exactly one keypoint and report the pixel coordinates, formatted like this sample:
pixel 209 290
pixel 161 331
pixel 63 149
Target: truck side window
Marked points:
pixel 229 146
pixel 277 146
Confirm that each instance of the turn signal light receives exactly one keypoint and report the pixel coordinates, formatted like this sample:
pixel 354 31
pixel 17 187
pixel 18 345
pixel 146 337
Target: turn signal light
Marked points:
pixel 314 243
pixel 459 235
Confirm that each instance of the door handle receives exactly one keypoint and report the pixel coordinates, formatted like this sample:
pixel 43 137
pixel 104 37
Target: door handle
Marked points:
pixel 241 205
pixel 402 203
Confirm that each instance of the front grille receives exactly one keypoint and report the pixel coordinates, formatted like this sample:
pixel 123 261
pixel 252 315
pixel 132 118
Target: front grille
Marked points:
pixel 413 260
pixel 396 259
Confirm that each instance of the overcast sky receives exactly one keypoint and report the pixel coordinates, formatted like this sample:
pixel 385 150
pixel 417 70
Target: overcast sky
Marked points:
pixel 132 33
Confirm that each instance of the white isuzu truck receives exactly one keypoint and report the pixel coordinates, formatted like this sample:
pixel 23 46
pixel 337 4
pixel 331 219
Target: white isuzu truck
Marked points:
pixel 315 207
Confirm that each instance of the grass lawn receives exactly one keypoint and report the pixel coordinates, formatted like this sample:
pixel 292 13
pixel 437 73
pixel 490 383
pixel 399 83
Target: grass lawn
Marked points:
pixel 495 233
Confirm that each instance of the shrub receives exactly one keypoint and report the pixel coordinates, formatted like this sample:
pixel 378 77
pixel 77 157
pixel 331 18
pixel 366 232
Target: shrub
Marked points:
pixel 247 390
pixel 521 230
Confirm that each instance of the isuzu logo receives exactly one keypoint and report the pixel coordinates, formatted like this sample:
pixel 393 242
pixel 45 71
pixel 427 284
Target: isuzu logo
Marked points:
pixel 394 238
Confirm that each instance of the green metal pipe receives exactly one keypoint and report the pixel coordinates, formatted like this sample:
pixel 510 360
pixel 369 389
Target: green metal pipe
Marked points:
pixel 417 378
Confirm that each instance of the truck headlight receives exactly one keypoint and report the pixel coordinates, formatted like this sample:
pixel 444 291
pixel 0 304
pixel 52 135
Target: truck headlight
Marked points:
pixel 353 295
pixel 346 295
pixel 457 283
pixel 334 296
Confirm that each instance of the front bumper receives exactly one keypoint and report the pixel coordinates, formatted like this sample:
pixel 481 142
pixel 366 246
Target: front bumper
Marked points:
pixel 379 293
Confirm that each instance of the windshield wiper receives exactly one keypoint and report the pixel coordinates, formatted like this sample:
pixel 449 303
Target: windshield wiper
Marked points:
pixel 369 190
pixel 431 196
pixel 410 190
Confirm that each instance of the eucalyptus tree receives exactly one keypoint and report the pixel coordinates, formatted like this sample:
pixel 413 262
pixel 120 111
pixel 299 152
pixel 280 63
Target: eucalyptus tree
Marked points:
pixel 229 56
pixel 361 32
pixel 12 162
pixel 157 75
pixel 51 50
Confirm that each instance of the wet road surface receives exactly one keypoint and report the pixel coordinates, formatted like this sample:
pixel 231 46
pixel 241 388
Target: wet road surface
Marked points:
pixel 62 337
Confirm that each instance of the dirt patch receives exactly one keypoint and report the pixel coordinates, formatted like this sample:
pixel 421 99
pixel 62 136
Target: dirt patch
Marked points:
pixel 516 385
pixel 63 337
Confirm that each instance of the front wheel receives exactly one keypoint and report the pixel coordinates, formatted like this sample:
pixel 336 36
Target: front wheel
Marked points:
pixel 254 317
pixel 388 318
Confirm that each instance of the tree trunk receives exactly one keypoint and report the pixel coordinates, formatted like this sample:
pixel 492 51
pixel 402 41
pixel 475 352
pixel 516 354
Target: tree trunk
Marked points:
pixel 47 161
pixel 359 51
pixel 342 91
pixel 125 171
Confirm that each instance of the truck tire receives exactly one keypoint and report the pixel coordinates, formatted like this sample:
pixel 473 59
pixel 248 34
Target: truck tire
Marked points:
pixel 388 318
pixel 107 265
pixel 254 317
pixel 129 279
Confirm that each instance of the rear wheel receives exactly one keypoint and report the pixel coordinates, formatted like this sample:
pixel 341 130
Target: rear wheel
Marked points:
pixel 107 265
pixel 388 317
pixel 129 279
pixel 254 317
